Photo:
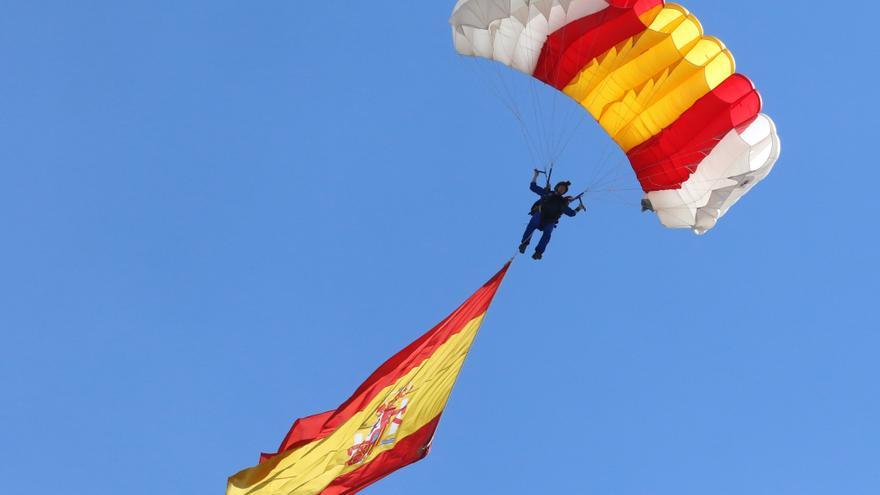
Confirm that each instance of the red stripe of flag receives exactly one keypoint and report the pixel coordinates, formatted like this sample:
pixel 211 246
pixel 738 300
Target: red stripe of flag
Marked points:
pixel 568 50
pixel 669 158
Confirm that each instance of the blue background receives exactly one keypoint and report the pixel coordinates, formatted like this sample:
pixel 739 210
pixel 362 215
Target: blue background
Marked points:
pixel 218 216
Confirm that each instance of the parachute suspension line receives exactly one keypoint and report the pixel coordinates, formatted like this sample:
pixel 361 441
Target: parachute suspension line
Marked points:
pixel 583 116
pixel 533 132
pixel 609 181
pixel 529 120
pixel 556 126
pixel 540 143
pixel 508 103
pixel 538 111
pixel 613 175
pixel 613 196
pixel 546 144
pixel 539 119
pixel 537 132
pixel 598 170
pixel 555 153
pixel 605 185
pixel 566 141
pixel 532 142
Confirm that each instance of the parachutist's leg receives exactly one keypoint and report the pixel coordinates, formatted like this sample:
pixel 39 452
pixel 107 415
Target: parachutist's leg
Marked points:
pixel 545 238
pixel 534 223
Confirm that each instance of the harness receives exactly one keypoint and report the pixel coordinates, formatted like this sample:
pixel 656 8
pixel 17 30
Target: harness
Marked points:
pixel 551 206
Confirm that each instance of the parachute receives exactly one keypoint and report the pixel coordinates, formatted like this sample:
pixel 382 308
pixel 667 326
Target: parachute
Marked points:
pixel 667 94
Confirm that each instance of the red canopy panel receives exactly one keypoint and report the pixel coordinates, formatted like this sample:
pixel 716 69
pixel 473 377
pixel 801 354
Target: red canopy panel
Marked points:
pixel 570 49
pixel 669 158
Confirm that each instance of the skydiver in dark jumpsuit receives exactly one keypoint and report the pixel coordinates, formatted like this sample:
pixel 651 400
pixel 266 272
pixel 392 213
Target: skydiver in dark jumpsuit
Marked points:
pixel 546 213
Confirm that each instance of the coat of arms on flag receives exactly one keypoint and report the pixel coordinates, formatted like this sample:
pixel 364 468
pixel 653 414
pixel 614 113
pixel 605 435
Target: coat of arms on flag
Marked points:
pixel 389 417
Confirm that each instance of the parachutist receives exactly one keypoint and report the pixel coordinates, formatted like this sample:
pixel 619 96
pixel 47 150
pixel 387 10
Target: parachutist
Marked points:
pixel 546 213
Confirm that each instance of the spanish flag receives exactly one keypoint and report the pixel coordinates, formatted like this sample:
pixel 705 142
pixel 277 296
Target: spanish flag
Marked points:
pixel 387 424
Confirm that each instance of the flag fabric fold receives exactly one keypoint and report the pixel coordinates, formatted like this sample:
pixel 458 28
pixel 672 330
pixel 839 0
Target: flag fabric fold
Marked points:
pixel 388 423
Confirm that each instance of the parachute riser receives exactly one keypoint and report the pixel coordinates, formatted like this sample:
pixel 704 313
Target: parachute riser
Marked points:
pixel 580 199
pixel 548 172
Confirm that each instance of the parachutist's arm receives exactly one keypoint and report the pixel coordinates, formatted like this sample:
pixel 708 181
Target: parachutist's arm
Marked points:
pixel 536 188
pixel 569 212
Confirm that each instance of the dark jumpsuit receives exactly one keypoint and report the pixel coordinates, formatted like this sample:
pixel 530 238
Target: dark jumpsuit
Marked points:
pixel 538 223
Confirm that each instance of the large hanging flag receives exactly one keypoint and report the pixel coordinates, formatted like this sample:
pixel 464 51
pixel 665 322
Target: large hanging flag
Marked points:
pixel 387 424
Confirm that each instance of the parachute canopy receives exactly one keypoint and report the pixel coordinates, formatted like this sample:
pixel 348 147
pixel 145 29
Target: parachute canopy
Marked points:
pixel 669 95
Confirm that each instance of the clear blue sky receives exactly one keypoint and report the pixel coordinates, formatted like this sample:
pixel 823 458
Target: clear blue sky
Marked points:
pixel 218 216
